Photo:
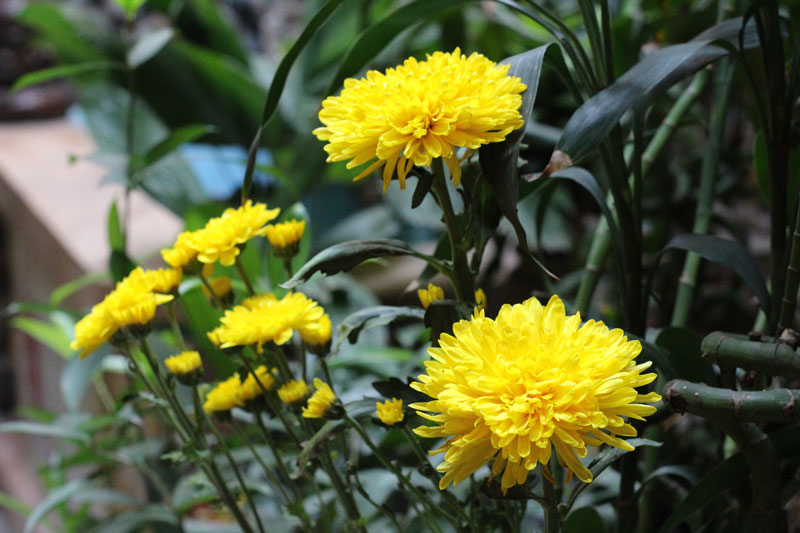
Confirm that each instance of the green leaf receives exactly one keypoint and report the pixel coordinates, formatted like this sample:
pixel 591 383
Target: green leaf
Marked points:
pixel 658 355
pixel 62 71
pixel 130 7
pixel 684 350
pixel 372 317
pixel 148 46
pixel 202 318
pixel 723 252
pixel 346 255
pixel 13 504
pixel 51 335
pixel 727 475
pixel 395 388
pixel 583 520
pixel 173 141
pixel 136 519
pixel 44 430
pixel 217 30
pixel 53 500
pixel 69 288
pixel 76 376
pixel 116 236
pixel 278 84
pixel 639 86
pixel 442 314
pixel 377 36
pixel 499 160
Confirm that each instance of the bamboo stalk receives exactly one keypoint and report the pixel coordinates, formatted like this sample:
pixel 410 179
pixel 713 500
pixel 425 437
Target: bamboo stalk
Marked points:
pixel 716 404
pixel 738 351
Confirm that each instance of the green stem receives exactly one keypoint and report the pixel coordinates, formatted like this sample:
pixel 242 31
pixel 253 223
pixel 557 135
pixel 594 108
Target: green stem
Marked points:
pixel 244 276
pixel 705 197
pixel 276 483
pixel 176 329
pixel 271 402
pixel 207 285
pixel 224 447
pixel 789 299
pixel 775 359
pixel 552 518
pixel 462 278
pixel 282 470
pixel 715 403
pixel 408 486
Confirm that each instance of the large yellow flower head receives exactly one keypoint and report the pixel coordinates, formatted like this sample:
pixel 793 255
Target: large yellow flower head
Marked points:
pixel 513 389
pixel 219 240
pixel 419 111
pixel 225 396
pixel 264 318
pixel 132 302
pixel 320 402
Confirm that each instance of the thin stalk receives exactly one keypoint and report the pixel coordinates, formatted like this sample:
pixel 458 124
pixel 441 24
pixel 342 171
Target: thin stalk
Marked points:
pixel 176 329
pixel 789 299
pixel 271 402
pixel 552 518
pixel 601 242
pixel 608 50
pixel 462 278
pixel 404 482
pixel 282 470
pixel 267 470
pixel 388 513
pixel 595 39
pixel 708 174
pixel 207 285
pixel 244 276
pixel 224 447
pixel 167 392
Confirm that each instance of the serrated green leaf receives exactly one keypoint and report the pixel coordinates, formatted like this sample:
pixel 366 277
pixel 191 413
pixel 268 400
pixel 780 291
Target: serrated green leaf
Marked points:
pixel 62 71
pixel 148 45
pixel 372 317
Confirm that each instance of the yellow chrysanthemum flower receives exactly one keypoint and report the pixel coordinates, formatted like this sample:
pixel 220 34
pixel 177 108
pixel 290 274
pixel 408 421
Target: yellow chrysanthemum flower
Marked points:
pixel 293 391
pixel 251 389
pixel 285 237
pixel 264 318
pixel 219 240
pixel 164 279
pixel 480 299
pixel 419 111
pixel 132 302
pixel 390 412
pixel 180 254
pixel 225 396
pixel 317 334
pixel 512 389
pixel 431 294
pixel 320 402
pixel 183 363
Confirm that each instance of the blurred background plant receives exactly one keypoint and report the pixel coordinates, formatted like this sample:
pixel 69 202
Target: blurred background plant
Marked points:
pixel 681 129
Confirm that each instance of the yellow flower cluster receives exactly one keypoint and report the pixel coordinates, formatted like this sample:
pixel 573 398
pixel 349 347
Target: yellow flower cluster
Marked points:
pixel 264 318
pixel 221 237
pixel 285 237
pixel 320 402
pixel 513 389
pixel 293 391
pixel 390 412
pixel 419 111
pixel 132 302
pixel 225 396
pixel 431 294
pixel 183 363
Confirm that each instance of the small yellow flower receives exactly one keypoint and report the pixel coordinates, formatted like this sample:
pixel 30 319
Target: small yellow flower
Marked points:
pixel 131 303
pixel 183 363
pixel 221 237
pixel 164 279
pixel 293 391
pixel 419 111
pixel 251 389
pixel 285 237
pixel 180 254
pixel 225 396
pixel 534 380
pixel 221 287
pixel 480 299
pixel 390 412
pixel 431 294
pixel 317 334
pixel 320 402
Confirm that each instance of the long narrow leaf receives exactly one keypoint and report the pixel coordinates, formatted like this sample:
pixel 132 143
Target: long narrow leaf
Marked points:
pixel 62 71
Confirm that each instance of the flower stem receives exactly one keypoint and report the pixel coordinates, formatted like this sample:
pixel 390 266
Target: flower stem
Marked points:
pixel 462 276
pixel 552 519
pixel 207 285
pixel 245 278
pixel 176 329
pixel 270 401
